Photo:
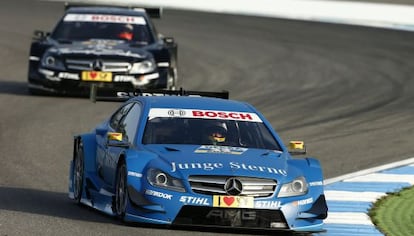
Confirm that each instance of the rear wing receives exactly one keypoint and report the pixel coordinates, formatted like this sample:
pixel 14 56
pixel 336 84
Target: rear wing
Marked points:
pixel 153 12
pixel 122 96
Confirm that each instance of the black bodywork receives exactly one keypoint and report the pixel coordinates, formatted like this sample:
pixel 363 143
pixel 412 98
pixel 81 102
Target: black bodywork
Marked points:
pixel 85 48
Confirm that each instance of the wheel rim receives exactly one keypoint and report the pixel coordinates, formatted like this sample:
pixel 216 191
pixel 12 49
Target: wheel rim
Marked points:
pixel 78 174
pixel 121 194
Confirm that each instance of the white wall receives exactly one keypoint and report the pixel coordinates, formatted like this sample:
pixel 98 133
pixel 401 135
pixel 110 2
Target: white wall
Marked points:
pixel 346 12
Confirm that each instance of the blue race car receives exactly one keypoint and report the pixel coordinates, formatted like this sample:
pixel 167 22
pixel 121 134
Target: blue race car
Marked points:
pixel 196 160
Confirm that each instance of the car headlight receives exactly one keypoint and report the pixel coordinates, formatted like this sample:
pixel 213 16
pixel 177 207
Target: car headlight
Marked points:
pixel 158 178
pixel 297 187
pixel 52 62
pixel 143 67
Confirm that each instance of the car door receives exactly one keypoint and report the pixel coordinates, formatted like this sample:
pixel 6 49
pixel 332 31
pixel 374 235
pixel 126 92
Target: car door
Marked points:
pixel 103 141
pixel 127 126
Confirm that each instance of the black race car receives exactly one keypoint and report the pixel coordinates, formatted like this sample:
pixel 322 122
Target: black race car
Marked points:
pixel 110 46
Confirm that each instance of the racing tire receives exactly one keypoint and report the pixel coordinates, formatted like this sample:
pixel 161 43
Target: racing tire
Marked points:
pixel 121 192
pixel 172 79
pixel 78 172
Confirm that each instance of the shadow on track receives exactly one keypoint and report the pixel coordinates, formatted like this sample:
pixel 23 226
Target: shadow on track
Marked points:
pixel 48 203
pixel 21 89
pixel 14 87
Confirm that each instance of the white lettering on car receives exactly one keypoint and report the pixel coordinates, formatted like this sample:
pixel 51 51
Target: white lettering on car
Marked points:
pixel 203 166
pixel 123 78
pixel 194 200
pixel 208 114
pixel 135 174
pixel 272 170
pixel 210 166
pixel 268 204
pixel 137 20
pixel 304 201
pixel 317 183
pixel 65 75
pixel 158 194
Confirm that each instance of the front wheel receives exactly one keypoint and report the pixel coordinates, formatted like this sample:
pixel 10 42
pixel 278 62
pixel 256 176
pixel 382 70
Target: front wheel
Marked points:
pixel 121 194
pixel 78 173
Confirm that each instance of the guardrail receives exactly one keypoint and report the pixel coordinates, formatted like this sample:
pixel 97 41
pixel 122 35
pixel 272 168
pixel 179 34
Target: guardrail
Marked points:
pixel 383 15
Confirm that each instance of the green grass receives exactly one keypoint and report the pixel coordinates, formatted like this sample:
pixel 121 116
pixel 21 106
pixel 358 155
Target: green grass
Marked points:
pixel 394 213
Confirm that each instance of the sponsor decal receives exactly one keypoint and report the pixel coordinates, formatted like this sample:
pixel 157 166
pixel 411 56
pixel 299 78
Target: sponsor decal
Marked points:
pixel 194 200
pixel 123 78
pixel 135 174
pixel 303 202
pixel 158 194
pixel 233 201
pixel 66 75
pixel 203 166
pixel 175 113
pixel 135 20
pixel 267 204
pixel 223 115
pixel 317 183
pixel 210 166
pixel 220 149
pixel 97 76
pixel 208 114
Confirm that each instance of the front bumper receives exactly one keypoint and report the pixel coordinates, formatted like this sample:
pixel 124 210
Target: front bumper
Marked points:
pixel 62 82
pixel 304 214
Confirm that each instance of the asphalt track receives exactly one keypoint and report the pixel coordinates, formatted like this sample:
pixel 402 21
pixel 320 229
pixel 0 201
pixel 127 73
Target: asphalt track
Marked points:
pixel 346 91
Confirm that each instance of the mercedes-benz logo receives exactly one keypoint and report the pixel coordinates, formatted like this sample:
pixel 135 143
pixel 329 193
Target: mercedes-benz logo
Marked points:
pixel 233 186
pixel 176 113
pixel 97 65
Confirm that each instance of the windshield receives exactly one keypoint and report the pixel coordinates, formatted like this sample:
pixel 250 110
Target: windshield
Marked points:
pixel 236 133
pixel 111 27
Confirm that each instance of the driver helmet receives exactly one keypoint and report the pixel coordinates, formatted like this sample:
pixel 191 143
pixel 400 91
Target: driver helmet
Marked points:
pixel 127 32
pixel 217 132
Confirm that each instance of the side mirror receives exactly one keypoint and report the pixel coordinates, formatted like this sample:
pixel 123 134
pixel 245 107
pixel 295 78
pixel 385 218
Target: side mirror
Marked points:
pixel 116 140
pixel 169 41
pixel 39 34
pixel 297 147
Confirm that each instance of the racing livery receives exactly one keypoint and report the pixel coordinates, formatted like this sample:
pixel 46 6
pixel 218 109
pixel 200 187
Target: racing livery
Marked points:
pixel 193 160
pixel 110 46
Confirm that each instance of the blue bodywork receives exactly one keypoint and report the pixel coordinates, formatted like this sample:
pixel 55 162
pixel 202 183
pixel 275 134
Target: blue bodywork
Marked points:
pixel 191 184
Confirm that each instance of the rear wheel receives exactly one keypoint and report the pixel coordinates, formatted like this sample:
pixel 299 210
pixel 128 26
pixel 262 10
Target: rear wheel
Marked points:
pixel 121 194
pixel 78 172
